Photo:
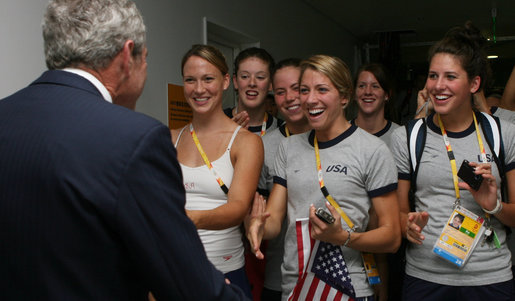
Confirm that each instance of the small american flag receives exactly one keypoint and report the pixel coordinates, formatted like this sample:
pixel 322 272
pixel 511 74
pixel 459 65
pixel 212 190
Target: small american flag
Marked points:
pixel 326 276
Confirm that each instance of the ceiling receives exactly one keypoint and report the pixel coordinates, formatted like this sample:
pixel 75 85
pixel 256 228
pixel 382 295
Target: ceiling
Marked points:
pixel 420 23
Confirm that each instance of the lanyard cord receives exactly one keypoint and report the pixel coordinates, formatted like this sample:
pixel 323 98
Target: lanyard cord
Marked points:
pixel 326 192
pixel 287 131
pixel 450 153
pixel 263 126
pixel 206 160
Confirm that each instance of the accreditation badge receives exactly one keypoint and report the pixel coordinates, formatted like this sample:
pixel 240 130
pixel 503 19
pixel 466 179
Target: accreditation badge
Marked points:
pixel 369 262
pixel 459 236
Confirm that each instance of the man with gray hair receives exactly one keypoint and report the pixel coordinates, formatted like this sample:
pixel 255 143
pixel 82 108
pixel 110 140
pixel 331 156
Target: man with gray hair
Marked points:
pixel 91 194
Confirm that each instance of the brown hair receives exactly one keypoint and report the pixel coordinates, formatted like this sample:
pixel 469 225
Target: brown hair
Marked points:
pixel 467 44
pixel 380 73
pixel 210 54
pixel 256 52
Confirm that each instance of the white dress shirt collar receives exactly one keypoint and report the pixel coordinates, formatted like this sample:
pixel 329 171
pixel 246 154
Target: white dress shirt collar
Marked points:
pixel 101 88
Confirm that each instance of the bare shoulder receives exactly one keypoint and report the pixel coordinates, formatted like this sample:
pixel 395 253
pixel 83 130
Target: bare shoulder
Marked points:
pixel 246 137
pixel 248 144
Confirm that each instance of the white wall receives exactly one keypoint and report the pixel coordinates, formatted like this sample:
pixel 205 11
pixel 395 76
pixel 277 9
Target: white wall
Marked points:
pixel 285 28
pixel 21 53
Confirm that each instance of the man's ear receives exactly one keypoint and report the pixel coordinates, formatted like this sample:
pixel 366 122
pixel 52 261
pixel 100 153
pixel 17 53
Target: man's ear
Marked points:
pixel 127 58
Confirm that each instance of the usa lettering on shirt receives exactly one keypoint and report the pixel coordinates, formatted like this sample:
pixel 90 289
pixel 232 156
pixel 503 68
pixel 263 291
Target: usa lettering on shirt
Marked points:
pixel 337 168
pixel 489 158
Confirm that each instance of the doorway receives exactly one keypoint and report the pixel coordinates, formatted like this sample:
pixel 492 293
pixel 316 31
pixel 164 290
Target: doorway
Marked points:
pixel 230 42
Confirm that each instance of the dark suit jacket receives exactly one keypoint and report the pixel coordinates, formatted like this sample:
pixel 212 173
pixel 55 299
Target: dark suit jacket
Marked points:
pixel 92 202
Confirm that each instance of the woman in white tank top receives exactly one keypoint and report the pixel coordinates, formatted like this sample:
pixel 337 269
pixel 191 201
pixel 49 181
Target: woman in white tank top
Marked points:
pixel 217 198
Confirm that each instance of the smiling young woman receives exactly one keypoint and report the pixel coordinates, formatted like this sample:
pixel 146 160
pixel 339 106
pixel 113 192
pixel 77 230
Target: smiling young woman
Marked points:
pixel 220 163
pixel 450 89
pixel 457 70
pixel 335 165
pixel 373 92
pixel 253 69
pixel 285 79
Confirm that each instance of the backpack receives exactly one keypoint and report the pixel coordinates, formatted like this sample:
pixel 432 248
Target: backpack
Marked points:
pixel 416 131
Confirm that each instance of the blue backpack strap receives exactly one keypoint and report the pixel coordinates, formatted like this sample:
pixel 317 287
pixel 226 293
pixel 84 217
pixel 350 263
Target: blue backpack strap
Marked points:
pixel 416 132
pixel 416 138
pixel 491 127
pixel 492 131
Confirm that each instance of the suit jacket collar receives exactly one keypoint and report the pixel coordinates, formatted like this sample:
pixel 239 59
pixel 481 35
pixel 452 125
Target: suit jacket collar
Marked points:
pixel 64 78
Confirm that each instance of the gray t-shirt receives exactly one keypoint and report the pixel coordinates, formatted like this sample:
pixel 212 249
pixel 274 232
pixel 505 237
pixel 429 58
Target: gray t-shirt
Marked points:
pixel 508 116
pixel 356 167
pixel 503 114
pixel 275 247
pixel 271 142
pixel 435 194
pixel 386 133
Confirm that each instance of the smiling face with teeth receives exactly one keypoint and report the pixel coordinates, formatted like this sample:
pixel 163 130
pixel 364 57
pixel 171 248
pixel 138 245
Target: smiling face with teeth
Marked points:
pixel 371 97
pixel 286 91
pixel 203 84
pixel 252 82
pixel 449 86
pixel 322 103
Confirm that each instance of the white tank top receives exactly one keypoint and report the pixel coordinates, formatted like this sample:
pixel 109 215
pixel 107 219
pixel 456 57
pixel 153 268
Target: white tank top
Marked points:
pixel 224 248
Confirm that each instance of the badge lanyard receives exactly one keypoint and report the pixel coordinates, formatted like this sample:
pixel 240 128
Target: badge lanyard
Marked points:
pixel 206 160
pixel 287 131
pixel 263 126
pixel 452 160
pixel 324 189
pixel 450 153
pixel 368 258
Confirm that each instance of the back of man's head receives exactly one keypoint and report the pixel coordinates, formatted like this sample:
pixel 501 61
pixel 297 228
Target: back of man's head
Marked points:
pixel 90 32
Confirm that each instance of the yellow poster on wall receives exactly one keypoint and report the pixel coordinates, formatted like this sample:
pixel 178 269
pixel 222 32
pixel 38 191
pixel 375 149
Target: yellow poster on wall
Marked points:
pixel 179 112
